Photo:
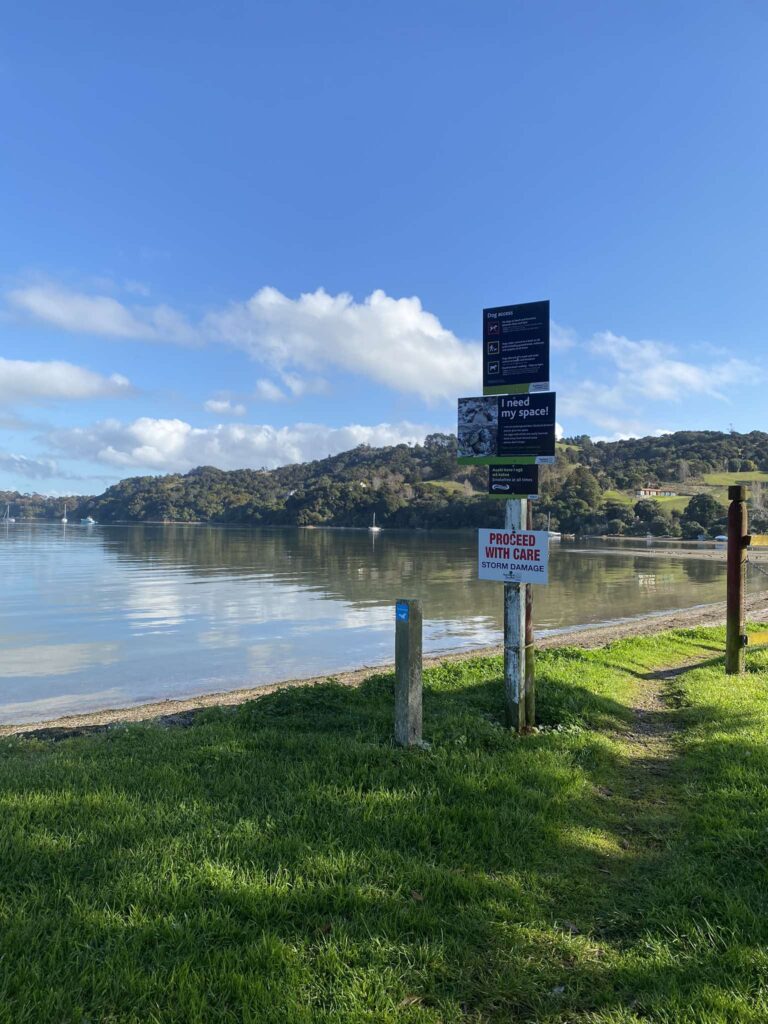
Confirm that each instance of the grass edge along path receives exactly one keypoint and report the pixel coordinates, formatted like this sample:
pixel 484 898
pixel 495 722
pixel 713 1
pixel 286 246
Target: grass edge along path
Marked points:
pixel 282 861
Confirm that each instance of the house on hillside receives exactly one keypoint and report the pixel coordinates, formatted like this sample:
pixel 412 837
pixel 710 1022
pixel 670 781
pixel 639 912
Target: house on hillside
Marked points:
pixel 655 492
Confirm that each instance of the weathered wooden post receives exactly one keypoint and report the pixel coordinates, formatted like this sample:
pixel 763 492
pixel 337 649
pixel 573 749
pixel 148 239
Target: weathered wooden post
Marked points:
pixel 735 638
pixel 408 619
pixel 515 519
pixel 530 653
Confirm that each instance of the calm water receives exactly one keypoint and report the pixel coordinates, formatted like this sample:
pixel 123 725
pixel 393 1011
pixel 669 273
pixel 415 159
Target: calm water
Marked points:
pixel 95 617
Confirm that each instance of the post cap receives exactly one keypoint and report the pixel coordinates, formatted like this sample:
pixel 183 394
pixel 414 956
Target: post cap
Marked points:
pixel 737 492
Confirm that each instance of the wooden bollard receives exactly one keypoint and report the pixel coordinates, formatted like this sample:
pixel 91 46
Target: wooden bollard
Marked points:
pixel 408 673
pixel 735 639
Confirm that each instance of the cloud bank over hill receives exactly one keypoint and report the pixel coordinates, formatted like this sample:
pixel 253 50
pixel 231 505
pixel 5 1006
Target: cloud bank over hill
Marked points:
pixel 173 445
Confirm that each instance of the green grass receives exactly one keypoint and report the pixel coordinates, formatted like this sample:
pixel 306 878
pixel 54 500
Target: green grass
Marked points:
pixel 724 479
pixel 452 486
pixel 679 501
pixel 283 862
pixel 621 497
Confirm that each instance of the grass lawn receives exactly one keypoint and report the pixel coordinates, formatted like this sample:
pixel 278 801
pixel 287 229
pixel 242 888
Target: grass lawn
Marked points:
pixel 621 497
pixel 724 479
pixel 283 862
pixel 679 501
pixel 452 486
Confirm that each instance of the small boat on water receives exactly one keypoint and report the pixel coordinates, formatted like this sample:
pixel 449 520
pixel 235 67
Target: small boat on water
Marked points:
pixel 373 528
pixel 8 518
pixel 88 521
pixel 554 535
pixel 64 517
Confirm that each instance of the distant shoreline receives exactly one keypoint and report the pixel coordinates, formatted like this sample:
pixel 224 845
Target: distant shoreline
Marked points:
pixel 702 546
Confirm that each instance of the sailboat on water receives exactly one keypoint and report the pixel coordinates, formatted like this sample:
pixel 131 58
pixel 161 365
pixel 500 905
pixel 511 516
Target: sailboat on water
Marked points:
pixel 64 517
pixel 373 528
pixel 8 518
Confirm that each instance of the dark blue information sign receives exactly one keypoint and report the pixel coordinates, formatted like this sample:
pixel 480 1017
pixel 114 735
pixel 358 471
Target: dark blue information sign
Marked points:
pixel 498 430
pixel 516 348
pixel 513 481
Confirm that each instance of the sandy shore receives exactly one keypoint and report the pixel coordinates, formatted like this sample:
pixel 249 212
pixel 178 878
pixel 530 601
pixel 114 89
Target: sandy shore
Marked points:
pixel 181 712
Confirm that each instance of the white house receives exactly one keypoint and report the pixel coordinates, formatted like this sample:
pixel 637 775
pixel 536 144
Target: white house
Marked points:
pixel 655 492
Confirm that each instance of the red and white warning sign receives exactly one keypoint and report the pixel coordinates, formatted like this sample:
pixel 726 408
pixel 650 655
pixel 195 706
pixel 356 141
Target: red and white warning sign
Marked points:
pixel 510 557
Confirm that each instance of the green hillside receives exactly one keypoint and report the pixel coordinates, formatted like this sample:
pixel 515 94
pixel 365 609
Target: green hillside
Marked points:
pixel 592 488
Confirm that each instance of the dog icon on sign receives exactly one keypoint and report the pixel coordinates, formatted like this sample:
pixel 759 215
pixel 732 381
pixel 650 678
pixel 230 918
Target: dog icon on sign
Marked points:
pixel 494 367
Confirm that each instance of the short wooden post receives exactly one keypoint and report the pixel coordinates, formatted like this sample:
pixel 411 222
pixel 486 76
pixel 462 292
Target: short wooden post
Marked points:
pixel 408 620
pixel 530 656
pixel 514 629
pixel 737 580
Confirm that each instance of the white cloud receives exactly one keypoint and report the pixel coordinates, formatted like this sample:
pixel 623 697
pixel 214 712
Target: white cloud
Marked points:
pixel 561 338
pixel 647 368
pixel 23 380
pixel 100 314
pixel 223 407
pixel 295 387
pixel 299 386
pixel 632 375
pixel 620 436
pixel 392 341
pixel 22 465
pixel 268 391
pixel 607 408
pixel 172 445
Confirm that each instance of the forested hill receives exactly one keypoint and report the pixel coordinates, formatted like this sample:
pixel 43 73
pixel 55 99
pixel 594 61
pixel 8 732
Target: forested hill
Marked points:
pixel 673 457
pixel 592 487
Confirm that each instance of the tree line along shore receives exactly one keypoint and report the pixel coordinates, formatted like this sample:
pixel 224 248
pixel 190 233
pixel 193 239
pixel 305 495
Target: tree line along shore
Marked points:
pixel 673 486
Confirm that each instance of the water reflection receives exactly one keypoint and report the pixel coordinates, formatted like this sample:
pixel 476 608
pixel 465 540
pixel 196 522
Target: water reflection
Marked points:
pixel 54 659
pixel 119 615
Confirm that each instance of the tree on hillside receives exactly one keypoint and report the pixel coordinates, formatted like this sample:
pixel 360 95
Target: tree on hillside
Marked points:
pixel 646 509
pixel 705 512
pixel 578 501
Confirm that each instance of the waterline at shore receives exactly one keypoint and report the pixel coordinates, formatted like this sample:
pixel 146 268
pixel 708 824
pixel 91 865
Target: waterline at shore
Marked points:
pixel 180 712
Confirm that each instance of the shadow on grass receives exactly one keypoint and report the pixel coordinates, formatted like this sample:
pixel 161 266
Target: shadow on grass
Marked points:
pixel 285 862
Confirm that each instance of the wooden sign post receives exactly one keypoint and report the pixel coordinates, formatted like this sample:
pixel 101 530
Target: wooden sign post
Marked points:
pixel 512 429
pixel 530 650
pixel 515 519
pixel 738 541
pixel 408 687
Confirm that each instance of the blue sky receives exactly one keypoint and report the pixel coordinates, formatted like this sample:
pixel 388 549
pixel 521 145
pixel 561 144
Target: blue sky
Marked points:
pixel 245 234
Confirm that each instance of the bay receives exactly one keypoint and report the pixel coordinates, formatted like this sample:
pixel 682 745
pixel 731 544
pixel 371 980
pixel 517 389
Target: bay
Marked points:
pixel 110 616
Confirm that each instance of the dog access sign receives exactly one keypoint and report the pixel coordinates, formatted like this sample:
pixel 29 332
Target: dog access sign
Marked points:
pixel 511 557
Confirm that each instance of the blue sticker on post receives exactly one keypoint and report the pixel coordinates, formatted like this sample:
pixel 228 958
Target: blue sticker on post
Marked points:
pixel 401 611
